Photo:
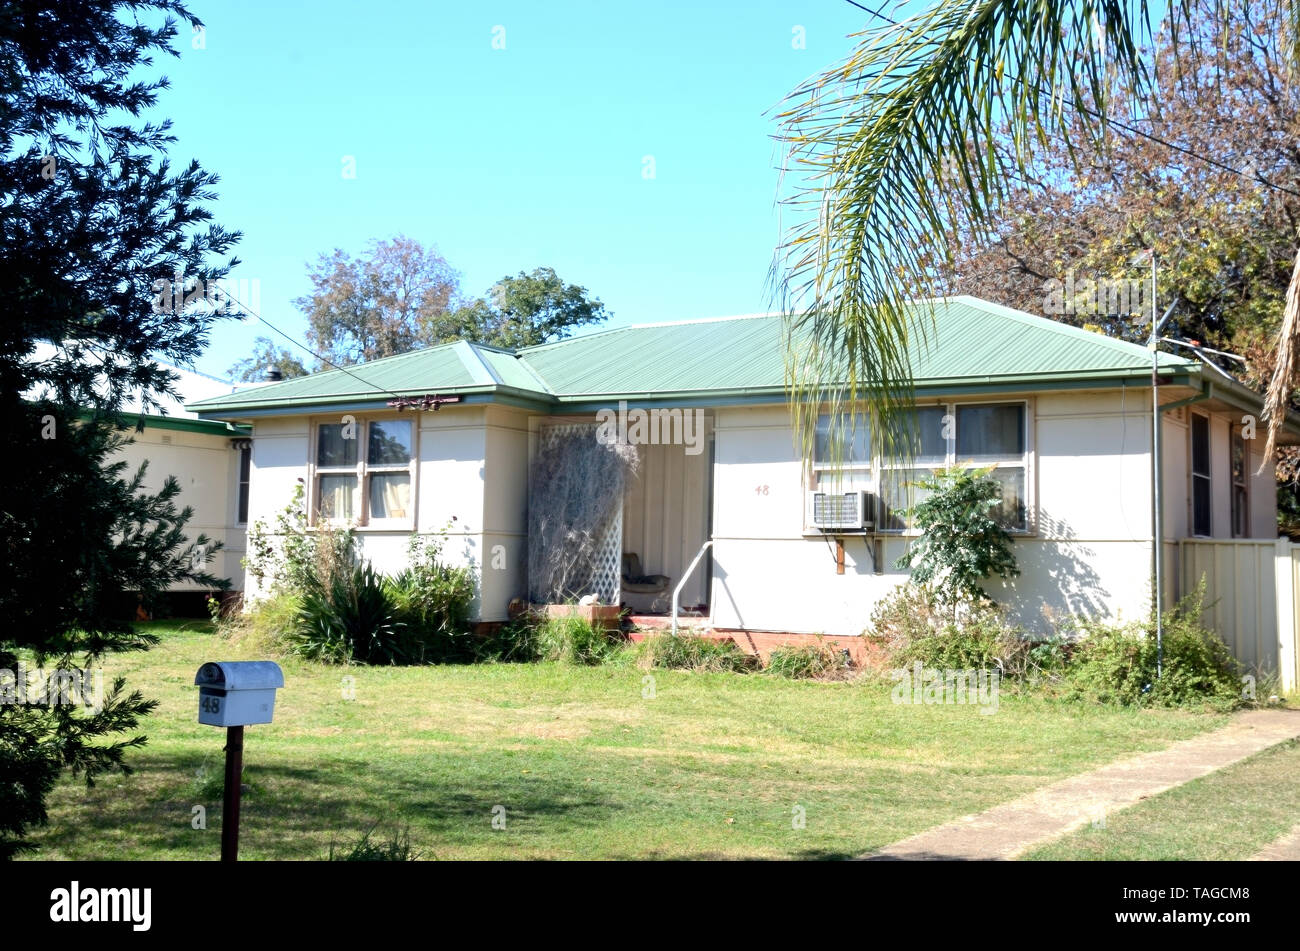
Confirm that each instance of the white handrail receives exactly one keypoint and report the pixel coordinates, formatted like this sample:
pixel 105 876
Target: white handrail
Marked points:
pixel 677 591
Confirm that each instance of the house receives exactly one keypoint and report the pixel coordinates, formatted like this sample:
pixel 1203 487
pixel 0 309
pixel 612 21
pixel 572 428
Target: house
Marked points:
pixel 454 438
pixel 211 460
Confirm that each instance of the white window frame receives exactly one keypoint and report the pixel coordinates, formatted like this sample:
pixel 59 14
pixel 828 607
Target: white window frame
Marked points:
pixel 871 477
pixel 363 469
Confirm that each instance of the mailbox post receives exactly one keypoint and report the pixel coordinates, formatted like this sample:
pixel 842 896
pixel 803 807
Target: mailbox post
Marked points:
pixel 235 694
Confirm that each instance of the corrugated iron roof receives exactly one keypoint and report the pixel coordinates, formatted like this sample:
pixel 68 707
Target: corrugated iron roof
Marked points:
pixel 968 340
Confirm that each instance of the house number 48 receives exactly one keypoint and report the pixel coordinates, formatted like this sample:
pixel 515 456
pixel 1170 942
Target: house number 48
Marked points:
pixel 760 490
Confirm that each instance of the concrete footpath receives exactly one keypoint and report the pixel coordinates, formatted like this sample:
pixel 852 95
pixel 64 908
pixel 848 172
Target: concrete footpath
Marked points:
pixel 1007 831
pixel 1285 849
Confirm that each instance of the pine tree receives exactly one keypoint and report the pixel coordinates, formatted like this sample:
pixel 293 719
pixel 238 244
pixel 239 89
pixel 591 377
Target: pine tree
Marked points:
pixel 93 220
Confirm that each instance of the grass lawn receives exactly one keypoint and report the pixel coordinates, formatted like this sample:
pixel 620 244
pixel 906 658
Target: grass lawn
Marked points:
pixel 1228 815
pixel 585 766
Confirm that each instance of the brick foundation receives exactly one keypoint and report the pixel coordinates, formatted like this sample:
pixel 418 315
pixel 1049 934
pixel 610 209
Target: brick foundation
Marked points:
pixel 865 652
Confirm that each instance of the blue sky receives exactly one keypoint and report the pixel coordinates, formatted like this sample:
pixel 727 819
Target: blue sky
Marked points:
pixel 505 159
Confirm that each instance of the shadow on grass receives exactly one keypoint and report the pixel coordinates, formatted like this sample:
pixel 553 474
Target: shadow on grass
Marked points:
pixel 287 810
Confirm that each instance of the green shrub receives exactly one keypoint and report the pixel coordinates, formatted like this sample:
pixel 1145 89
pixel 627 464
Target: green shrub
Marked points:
pixel 350 617
pixel 431 601
pixel 512 642
pixel 573 640
pixel 811 661
pixel 1118 664
pixel 692 652
pixel 962 540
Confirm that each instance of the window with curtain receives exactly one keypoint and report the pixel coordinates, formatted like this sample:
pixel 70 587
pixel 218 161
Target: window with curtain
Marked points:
pixel 363 471
pixel 1201 495
pixel 388 470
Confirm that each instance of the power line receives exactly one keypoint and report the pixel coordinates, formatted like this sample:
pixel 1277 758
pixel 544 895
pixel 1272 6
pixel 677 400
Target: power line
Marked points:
pixel 297 343
pixel 1124 127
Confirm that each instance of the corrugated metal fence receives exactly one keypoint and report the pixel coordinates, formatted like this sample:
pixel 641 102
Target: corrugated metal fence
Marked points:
pixel 1251 590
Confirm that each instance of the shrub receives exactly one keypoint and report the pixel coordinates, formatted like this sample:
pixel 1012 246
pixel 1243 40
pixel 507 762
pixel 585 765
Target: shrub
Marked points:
pixel 574 640
pixel 431 601
pixel 811 661
pixel 692 652
pixel 349 616
pixel 1118 664
pixel 268 628
pixel 961 542
pixel 915 626
pixel 512 642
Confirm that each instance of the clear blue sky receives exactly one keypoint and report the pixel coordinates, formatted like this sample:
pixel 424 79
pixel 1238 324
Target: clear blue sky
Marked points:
pixel 505 159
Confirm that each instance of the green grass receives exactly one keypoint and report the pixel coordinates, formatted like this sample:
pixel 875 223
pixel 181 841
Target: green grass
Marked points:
pixel 1229 815
pixel 583 763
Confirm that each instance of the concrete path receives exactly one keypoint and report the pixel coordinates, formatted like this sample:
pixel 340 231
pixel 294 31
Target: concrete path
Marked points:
pixel 1285 849
pixel 1006 831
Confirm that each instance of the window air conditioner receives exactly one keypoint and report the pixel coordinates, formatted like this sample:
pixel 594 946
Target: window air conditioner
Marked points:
pixel 848 510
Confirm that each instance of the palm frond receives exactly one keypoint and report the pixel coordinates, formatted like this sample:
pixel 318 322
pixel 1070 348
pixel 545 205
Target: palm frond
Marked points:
pixel 888 147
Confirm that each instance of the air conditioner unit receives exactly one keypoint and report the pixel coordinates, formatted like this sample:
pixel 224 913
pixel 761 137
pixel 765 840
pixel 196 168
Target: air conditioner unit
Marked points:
pixel 847 510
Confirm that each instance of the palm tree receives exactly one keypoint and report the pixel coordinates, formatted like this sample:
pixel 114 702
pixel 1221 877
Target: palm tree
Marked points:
pixel 895 146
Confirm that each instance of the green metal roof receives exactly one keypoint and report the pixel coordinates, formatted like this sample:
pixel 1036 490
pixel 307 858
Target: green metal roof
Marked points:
pixel 970 343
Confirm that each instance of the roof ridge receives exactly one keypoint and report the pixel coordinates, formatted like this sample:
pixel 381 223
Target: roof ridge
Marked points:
pixel 492 376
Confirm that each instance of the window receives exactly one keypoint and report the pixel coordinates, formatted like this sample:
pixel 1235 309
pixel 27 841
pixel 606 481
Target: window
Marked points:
pixel 245 465
pixel 977 435
pixel 1200 475
pixel 1240 510
pixel 852 447
pixel 994 434
pixel 929 436
pixel 363 471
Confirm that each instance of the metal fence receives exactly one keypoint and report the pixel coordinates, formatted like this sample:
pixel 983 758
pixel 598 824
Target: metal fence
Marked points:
pixel 1251 590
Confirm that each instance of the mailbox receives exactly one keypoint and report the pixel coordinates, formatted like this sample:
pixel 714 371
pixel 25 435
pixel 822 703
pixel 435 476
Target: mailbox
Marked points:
pixel 237 693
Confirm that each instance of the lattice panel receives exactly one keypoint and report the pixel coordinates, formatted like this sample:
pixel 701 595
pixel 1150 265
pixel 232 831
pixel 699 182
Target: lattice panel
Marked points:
pixel 604 574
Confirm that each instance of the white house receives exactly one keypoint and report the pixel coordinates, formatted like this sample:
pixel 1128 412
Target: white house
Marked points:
pixel 445 440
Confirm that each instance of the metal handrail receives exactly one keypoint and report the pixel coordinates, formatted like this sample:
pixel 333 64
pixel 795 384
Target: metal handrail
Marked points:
pixel 677 591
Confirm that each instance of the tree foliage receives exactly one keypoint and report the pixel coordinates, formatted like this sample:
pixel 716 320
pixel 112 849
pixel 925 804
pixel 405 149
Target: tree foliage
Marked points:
pixel 393 298
pixel 92 214
pixel 267 357
pixel 402 296
pixel 528 309
pixel 925 132
pixel 1225 242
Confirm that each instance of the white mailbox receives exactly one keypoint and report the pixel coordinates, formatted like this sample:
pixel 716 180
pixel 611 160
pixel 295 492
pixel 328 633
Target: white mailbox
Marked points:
pixel 238 692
